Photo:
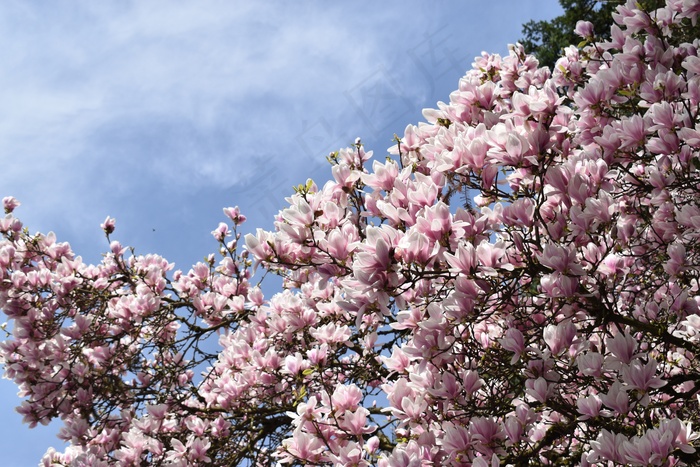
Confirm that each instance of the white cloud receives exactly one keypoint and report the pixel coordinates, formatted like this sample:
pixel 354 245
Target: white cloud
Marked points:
pixel 188 68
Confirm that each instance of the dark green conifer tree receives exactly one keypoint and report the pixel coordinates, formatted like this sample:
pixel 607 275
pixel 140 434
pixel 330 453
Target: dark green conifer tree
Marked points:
pixel 546 39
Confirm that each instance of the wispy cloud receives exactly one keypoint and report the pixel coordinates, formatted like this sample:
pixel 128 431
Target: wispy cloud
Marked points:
pixel 195 86
pixel 103 99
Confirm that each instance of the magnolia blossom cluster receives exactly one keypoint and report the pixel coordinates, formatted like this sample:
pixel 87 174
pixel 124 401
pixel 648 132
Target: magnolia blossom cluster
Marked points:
pixel 516 284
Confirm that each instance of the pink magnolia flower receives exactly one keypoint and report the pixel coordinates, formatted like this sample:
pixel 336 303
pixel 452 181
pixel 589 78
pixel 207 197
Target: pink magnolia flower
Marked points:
pixel 108 225
pixel 481 461
pixel 677 259
pixel 484 434
pixel 301 447
pixel 513 342
pixel 608 447
pixel 623 347
pixel 616 398
pixel 351 454
pixel 456 442
pixel 561 259
pixel 464 260
pixel 589 407
pixel 642 376
pixel 539 389
pixel 355 422
pixel 590 364
pixel 346 398
pixel 560 336
pixel 584 29
pixel 9 203
pixel 235 215
pixel 221 232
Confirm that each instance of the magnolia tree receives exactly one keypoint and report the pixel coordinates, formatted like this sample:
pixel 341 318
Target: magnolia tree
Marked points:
pixel 516 285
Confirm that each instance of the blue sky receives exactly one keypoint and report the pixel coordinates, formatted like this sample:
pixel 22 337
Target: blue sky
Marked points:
pixel 162 113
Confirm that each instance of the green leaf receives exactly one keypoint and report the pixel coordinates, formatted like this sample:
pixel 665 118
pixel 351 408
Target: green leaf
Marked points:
pixel 444 122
